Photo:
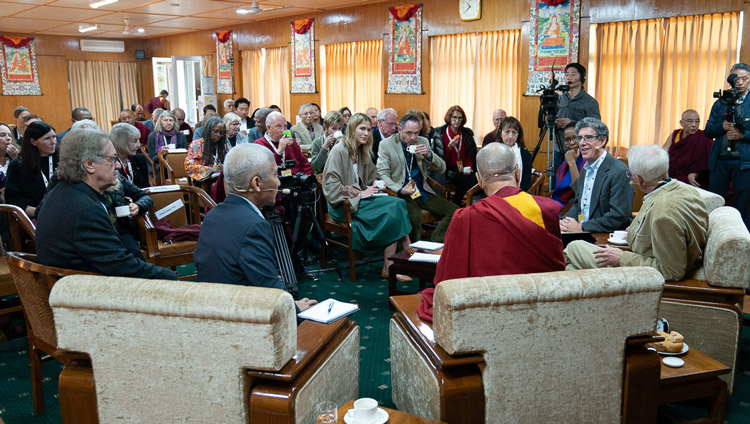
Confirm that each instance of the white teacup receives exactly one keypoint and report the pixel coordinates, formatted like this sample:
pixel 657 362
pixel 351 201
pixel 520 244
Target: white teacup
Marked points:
pixel 338 135
pixel 619 235
pixel 467 170
pixel 380 184
pixel 411 148
pixel 365 410
pixel 122 211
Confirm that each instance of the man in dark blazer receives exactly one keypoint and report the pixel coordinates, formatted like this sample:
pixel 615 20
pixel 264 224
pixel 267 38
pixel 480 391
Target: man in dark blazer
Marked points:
pixel 74 229
pixel 604 193
pixel 236 244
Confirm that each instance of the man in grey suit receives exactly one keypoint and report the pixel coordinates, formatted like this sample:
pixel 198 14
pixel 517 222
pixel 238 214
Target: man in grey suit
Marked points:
pixel 604 193
pixel 236 244
pixel 404 161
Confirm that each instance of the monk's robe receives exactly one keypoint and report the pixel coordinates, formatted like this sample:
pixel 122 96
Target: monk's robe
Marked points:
pixel 689 155
pixel 510 232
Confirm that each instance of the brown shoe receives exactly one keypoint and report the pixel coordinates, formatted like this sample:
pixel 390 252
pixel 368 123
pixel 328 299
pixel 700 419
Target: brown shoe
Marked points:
pixel 403 278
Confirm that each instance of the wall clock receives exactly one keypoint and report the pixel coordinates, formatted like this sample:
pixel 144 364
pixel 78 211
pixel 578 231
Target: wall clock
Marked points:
pixel 470 10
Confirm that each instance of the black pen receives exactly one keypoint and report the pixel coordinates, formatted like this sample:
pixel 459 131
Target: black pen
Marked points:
pixel 330 306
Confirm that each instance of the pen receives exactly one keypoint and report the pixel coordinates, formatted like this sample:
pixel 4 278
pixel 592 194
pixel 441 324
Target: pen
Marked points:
pixel 330 306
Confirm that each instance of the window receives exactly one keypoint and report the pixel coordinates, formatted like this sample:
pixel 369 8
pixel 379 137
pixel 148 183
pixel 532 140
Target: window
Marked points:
pixel 646 73
pixel 351 75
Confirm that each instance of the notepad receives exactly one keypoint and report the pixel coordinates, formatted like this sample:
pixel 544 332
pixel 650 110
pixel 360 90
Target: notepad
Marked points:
pixel 424 257
pixel 320 313
pixel 426 245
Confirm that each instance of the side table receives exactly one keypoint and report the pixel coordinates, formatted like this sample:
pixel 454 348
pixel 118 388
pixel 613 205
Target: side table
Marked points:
pixel 394 417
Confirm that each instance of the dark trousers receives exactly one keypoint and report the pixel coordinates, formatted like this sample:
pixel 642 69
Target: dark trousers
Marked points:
pixel 726 171
pixel 463 183
pixel 437 206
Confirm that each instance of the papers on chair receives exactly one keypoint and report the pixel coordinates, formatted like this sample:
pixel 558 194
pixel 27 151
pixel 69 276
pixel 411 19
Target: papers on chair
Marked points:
pixel 426 245
pixel 160 189
pixel 177 150
pixel 328 311
pixel 424 257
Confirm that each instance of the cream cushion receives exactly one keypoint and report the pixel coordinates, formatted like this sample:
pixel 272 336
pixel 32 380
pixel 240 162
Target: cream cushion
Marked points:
pixel 726 260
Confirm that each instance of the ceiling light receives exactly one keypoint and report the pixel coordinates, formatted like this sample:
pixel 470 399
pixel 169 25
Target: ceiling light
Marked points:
pixel 101 3
pixel 87 28
pixel 243 11
pixel 140 30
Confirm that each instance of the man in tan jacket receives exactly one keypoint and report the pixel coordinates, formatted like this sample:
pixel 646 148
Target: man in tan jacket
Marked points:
pixel 404 161
pixel 670 231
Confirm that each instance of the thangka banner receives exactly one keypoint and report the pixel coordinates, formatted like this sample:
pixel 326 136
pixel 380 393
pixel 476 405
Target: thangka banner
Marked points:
pixel 405 55
pixel 224 62
pixel 303 56
pixel 18 67
pixel 553 40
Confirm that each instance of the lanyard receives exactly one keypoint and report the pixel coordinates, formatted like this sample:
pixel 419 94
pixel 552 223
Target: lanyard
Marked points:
pixel 275 149
pixel 129 170
pixel 460 141
pixel 44 177
pixel 409 166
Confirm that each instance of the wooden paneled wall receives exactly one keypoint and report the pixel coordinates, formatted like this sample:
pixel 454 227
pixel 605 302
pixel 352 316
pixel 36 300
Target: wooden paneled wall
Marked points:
pixel 366 22
pixel 52 54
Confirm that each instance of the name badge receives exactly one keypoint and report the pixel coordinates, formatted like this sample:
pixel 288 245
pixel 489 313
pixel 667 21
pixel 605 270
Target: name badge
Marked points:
pixel 459 165
pixel 186 132
pixel 580 218
pixel 169 209
pixel 415 191
pixel 286 172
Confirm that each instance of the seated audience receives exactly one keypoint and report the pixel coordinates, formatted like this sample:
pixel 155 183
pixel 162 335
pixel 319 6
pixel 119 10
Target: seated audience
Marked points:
pixel 85 123
pixel 199 126
pixel 259 129
pixel 668 234
pixel 497 117
pixel 182 126
pixel 165 134
pixel 206 158
pixel 459 151
pixel 73 230
pixel 140 114
pixel 346 114
pixel 8 152
pixel 128 117
pixel 151 123
pixel 372 113
pixel 19 114
pixel 350 175
pixel 158 102
pixel 275 108
pixel 78 114
pixel 210 107
pixel 284 148
pixel 308 129
pixel 317 113
pixel 232 123
pixel 126 139
pixel 511 134
pixel 242 109
pixel 513 231
pixel 333 122
pixel 689 149
pixel 404 160
pixel 29 175
pixel 604 193
pixel 427 131
pixel 568 172
pixel 243 253
pixel 387 121
pixel 228 106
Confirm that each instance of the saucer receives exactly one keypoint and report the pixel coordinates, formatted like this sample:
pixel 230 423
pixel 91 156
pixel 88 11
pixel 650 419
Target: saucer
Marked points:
pixel 618 242
pixel 381 417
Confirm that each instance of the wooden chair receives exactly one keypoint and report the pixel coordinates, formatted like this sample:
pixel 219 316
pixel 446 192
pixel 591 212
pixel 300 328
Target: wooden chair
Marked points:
pixel 429 221
pixel 172 167
pixel 34 283
pixel 21 230
pixel 343 229
pixel 154 178
pixel 188 203
pixel 537 186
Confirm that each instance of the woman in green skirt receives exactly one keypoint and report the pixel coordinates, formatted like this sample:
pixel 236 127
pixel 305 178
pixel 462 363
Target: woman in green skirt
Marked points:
pixel 378 220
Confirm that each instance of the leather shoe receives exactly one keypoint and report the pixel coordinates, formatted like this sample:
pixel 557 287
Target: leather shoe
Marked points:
pixel 399 277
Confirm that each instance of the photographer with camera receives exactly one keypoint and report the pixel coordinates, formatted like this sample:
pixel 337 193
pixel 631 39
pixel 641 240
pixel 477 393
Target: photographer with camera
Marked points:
pixel 729 125
pixel 574 105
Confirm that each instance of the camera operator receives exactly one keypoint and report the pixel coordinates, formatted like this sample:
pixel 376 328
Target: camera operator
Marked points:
pixel 283 146
pixel 574 105
pixel 729 125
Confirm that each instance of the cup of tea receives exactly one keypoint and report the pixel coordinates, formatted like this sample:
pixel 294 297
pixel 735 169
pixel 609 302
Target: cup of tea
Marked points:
pixel 365 410
pixel 380 184
pixel 122 211
pixel 467 170
pixel 619 235
pixel 338 135
pixel 411 149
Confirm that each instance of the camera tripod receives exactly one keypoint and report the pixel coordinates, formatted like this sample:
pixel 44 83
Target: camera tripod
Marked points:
pixel 550 133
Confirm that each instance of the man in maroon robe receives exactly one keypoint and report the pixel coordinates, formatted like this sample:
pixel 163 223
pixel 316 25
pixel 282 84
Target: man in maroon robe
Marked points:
pixel 689 149
pixel 128 117
pixel 508 232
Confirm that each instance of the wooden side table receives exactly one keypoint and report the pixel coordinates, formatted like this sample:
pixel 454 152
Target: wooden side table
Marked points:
pixel 394 417
pixel 425 271
pixel 697 379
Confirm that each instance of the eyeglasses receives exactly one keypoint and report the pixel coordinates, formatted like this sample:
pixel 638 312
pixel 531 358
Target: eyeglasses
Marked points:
pixel 389 123
pixel 457 118
pixel 111 159
pixel 587 138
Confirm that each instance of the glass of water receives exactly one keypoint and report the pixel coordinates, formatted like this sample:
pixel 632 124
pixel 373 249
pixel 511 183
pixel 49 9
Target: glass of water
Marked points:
pixel 326 413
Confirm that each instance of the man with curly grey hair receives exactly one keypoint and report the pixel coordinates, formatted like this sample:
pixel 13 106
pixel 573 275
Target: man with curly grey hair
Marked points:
pixel 74 229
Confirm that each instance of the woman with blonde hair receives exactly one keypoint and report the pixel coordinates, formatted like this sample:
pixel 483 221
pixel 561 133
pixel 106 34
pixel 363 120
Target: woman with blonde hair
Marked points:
pixel 349 174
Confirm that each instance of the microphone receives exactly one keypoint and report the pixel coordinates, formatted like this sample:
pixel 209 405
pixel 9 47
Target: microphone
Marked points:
pixel 285 191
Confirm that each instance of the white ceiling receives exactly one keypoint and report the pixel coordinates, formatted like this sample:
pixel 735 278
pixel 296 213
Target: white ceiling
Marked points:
pixel 157 17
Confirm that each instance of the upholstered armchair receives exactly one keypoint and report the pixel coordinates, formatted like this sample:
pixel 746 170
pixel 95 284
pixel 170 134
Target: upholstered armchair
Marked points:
pixel 707 309
pixel 164 351
pixel 530 348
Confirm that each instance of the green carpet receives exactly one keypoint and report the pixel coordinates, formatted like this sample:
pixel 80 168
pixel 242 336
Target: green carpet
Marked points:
pixel 371 293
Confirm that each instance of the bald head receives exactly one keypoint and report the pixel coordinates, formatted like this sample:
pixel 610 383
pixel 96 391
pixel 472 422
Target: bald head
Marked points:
pixel 498 117
pixel 496 162
pixel 690 122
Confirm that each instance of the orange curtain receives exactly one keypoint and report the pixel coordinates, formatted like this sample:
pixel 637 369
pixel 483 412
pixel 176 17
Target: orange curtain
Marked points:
pixel 352 75
pixel 104 88
pixel 265 77
pixel 646 73
pixel 478 72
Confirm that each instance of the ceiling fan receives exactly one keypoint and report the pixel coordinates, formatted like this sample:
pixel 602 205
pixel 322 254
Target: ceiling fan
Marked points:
pixel 255 9
pixel 127 30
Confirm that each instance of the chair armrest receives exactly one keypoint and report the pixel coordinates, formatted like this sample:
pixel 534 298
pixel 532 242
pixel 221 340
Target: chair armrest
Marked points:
pixel 701 290
pixel 347 211
pixel 148 238
pixel 440 189
pixel 205 199
pixel 390 192
pixel 534 189
pixel 469 196
pixel 155 174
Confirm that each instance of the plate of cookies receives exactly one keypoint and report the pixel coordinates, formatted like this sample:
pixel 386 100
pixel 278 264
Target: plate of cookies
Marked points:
pixel 672 345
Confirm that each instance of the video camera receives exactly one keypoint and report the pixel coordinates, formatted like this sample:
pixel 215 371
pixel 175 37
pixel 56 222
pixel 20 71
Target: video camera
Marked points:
pixel 730 98
pixel 549 97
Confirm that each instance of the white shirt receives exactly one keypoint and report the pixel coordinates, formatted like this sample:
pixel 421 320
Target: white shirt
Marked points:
pixel 517 152
pixel 588 184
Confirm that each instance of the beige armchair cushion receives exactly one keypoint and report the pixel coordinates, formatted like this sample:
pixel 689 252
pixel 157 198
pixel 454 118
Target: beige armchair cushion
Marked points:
pixel 553 343
pixel 726 260
pixel 712 200
pixel 165 351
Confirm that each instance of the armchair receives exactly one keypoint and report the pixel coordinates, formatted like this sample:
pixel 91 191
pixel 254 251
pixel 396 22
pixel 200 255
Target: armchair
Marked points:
pixel 172 167
pixel 550 347
pixel 164 351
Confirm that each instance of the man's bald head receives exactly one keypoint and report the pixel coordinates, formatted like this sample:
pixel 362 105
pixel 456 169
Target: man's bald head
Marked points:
pixel 496 162
pixel 498 117
pixel 690 122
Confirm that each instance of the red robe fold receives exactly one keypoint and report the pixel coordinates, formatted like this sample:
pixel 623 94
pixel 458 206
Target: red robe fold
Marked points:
pixel 492 237
pixel 690 155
